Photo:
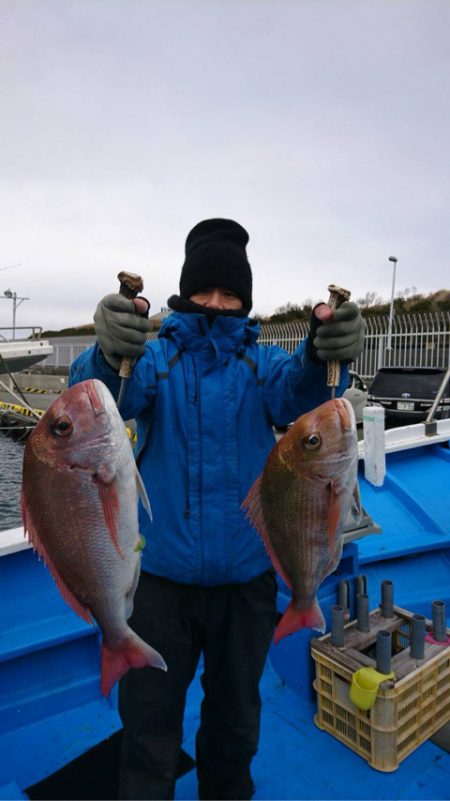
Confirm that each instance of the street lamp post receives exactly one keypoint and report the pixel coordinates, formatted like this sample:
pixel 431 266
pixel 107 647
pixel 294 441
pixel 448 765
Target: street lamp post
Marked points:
pixel 394 260
pixel 16 303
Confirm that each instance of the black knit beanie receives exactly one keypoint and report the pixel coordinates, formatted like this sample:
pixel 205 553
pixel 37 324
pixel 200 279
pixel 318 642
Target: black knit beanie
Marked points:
pixel 216 257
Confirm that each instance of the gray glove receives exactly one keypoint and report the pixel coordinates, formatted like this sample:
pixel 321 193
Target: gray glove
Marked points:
pixel 341 339
pixel 120 330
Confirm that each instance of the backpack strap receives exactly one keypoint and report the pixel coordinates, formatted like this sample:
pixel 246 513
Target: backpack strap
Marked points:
pixel 163 368
pixel 253 366
pixel 165 365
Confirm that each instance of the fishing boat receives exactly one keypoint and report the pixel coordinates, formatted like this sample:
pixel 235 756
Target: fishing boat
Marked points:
pixel 17 418
pixel 60 738
pixel 17 355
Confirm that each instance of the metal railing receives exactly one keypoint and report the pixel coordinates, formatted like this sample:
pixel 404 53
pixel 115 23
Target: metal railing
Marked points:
pixel 64 354
pixel 421 340
pixel 36 331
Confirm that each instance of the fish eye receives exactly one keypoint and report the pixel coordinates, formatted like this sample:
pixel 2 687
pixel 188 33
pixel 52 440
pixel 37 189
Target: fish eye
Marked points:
pixel 62 426
pixel 312 442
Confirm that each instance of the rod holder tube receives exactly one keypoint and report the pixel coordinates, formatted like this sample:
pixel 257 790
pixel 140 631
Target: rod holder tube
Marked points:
pixel 343 595
pixel 361 584
pixel 417 645
pixel 439 621
pixel 362 612
pixel 384 651
pixel 387 599
pixel 337 626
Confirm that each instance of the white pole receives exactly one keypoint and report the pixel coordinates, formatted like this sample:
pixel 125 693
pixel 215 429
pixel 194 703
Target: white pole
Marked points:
pixel 14 300
pixel 16 303
pixel 374 445
pixel 391 312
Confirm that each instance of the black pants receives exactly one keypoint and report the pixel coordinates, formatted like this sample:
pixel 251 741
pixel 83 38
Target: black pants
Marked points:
pixel 233 626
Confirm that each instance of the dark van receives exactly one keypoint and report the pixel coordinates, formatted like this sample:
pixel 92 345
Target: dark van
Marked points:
pixel 407 393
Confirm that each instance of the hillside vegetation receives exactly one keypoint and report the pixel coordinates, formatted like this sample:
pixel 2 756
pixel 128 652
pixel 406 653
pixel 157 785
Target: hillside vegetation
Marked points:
pixel 406 302
pixel 76 330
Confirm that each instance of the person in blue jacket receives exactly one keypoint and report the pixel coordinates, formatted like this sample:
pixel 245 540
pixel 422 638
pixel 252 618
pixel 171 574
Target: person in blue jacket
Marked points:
pixel 205 397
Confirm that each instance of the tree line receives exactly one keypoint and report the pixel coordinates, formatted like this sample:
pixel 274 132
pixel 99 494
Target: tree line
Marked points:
pixel 408 301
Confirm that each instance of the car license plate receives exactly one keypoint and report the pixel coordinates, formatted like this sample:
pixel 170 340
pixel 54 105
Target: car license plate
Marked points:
pixel 405 406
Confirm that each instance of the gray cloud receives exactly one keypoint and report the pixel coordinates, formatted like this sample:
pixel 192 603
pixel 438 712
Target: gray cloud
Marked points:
pixel 323 127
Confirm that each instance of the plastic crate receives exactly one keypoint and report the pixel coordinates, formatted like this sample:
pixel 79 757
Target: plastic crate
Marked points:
pixel 408 709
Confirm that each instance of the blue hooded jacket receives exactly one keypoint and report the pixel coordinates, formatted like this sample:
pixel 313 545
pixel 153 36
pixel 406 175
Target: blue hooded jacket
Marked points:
pixel 205 399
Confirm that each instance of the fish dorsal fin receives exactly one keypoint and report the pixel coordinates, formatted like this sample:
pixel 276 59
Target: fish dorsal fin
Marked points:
pixel 254 512
pixel 143 494
pixel 253 507
pixel 38 546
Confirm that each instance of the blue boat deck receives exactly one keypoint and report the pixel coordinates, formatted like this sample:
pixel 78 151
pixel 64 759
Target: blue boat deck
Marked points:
pixel 412 506
pixel 52 712
pixel 413 550
pixel 296 760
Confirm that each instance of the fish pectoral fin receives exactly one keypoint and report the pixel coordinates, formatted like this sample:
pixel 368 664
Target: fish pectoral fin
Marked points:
pixel 36 541
pixel 334 513
pixel 109 499
pixel 143 494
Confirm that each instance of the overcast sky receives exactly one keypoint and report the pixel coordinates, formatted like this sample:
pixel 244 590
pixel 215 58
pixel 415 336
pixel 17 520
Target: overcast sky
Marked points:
pixel 322 126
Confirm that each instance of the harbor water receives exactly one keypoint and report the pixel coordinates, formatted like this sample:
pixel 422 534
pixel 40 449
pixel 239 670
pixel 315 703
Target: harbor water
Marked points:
pixel 11 459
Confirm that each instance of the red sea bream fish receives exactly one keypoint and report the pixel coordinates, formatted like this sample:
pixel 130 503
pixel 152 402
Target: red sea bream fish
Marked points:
pixel 79 508
pixel 300 503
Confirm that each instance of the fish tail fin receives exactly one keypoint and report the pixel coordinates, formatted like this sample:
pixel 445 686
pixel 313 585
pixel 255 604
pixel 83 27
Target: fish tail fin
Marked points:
pixel 132 652
pixel 295 619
